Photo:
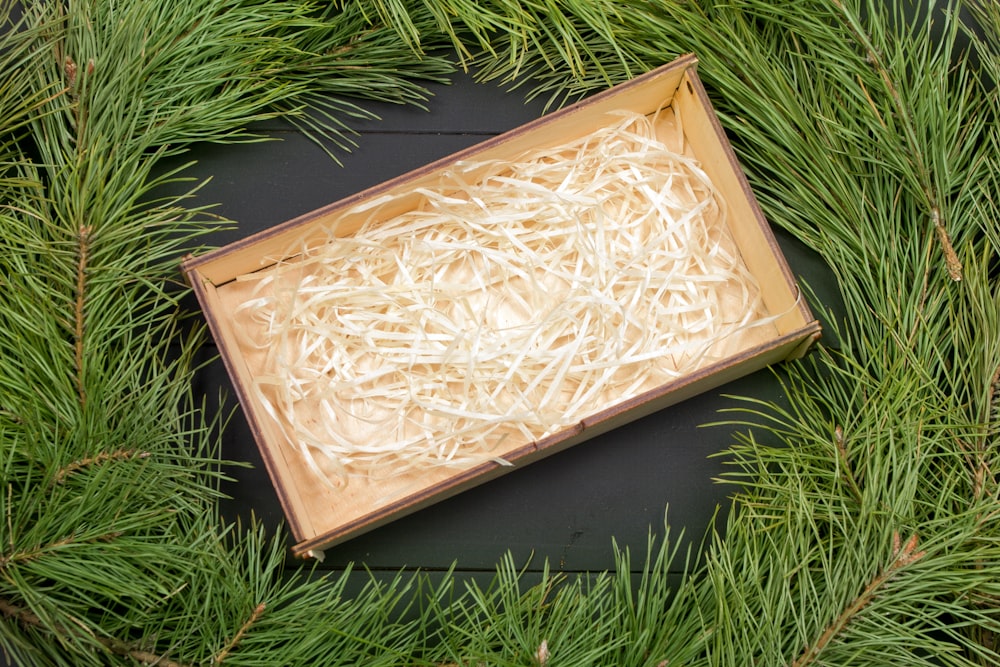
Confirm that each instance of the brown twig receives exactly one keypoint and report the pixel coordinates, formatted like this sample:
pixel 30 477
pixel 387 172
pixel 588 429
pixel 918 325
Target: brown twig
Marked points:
pixel 903 555
pixel 239 635
pixel 845 464
pixel 37 552
pixel 979 469
pixel 143 657
pixel 83 250
pixel 992 427
pixel 976 455
pixel 993 398
pixel 951 259
pixel 97 459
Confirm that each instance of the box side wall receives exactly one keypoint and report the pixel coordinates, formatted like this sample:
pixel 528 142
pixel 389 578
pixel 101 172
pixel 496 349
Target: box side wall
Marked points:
pixel 746 221
pixel 428 496
pixel 262 429
pixel 710 377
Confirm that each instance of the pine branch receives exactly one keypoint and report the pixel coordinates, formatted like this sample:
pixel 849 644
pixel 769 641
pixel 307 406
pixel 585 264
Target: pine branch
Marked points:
pixel 903 556
pixel 34 553
pixel 232 643
pixel 915 149
pixel 845 463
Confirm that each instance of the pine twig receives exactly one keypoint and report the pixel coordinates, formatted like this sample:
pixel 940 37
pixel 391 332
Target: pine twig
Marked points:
pixel 83 250
pixel 29 619
pixel 845 463
pixel 975 455
pixel 239 635
pixel 903 555
pixel 952 262
pixel 993 403
pixel 993 424
pixel 32 554
pixel 103 457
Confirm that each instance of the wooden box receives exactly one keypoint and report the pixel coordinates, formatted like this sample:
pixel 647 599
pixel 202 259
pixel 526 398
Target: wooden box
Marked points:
pixel 324 507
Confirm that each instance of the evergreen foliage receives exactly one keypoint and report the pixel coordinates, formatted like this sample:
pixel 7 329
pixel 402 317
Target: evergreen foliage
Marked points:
pixel 864 529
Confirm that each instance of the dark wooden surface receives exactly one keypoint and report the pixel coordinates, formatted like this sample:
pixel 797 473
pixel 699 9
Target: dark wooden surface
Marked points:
pixel 567 508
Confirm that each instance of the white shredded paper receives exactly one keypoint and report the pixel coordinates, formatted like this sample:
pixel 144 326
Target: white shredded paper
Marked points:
pixel 509 307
